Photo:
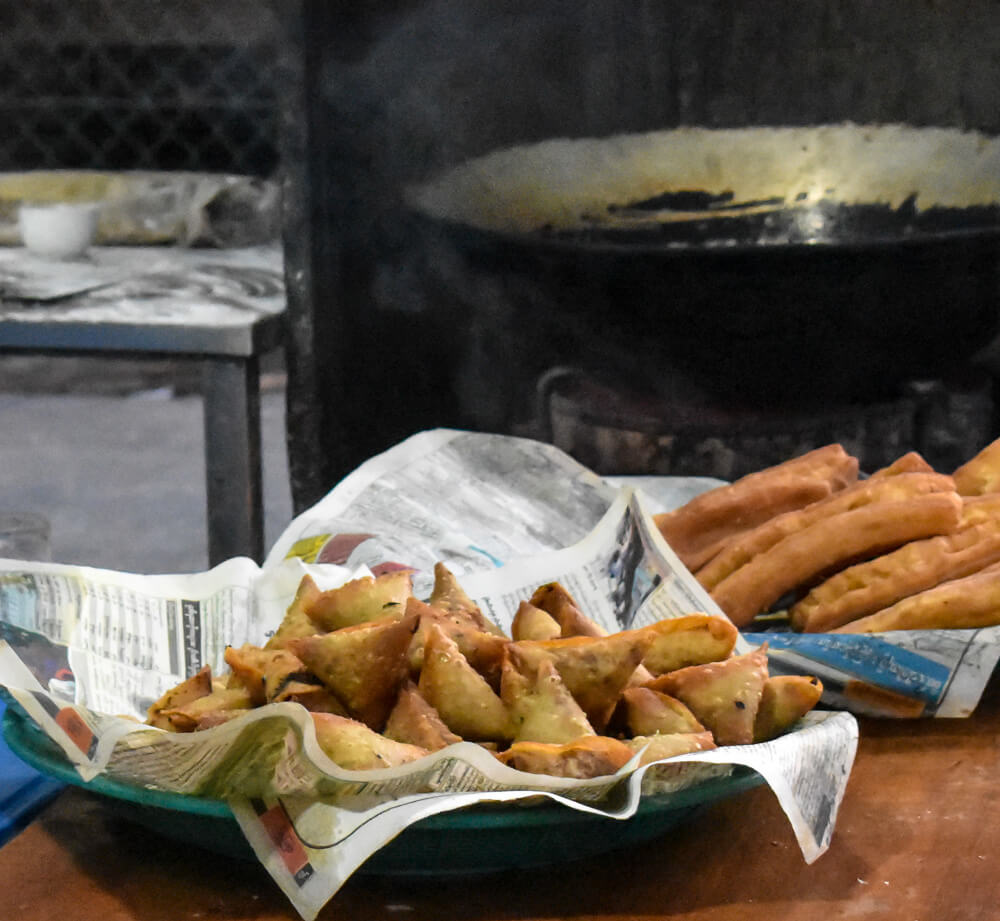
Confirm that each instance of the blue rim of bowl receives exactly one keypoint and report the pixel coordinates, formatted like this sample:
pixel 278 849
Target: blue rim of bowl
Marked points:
pixel 29 742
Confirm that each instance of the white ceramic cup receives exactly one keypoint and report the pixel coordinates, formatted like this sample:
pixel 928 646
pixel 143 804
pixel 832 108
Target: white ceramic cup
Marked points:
pixel 61 230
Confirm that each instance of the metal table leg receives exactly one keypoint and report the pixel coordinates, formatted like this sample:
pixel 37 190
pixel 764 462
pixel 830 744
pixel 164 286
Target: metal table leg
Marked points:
pixel 233 459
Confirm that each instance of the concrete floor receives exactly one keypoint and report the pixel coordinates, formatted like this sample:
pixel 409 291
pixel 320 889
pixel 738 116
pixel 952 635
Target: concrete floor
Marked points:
pixel 121 476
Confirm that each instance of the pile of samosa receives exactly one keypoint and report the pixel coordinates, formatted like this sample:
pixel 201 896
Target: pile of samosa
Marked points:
pixel 388 678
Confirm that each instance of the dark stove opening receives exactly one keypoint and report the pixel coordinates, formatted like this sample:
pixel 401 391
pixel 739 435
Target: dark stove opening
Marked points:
pixel 614 430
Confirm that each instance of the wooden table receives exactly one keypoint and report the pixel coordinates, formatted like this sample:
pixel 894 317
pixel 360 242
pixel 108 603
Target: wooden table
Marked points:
pixel 918 839
pixel 225 308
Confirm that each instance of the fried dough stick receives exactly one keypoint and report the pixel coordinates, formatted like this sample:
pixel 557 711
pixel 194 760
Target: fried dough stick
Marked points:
pixel 832 543
pixel 913 568
pixel 700 528
pixel 960 604
pixel 911 462
pixel 981 474
pixel 744 548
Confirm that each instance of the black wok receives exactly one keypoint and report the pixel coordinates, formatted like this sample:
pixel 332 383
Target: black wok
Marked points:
pixel 771 265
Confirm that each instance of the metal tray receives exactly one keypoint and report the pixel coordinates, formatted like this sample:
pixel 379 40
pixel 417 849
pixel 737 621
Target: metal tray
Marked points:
pixel 481 839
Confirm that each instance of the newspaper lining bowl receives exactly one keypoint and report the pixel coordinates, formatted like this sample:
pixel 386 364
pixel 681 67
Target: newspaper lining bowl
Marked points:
pixel 479 839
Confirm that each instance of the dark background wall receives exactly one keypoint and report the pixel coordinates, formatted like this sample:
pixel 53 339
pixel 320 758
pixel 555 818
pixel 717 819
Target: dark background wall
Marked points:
pixel 350 101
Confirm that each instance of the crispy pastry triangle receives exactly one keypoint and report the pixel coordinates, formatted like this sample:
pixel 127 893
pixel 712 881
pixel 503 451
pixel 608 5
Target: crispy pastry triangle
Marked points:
pixel 666 745
pixel 532 623
pixel 594 669
pixel 541 708
pixel 692 639
pixel 361 600
pixel 590 756
pixel 308 692
pixel 462 697
pixel 363 665
pixel 648 712
pixel 784 700
pixel 484 651
pixel 296 621
pixel 555 600
pixel 448 595
pixel 222 704
pixel 724 696
pixel 254 668
pixel 415 721
pixel 189 690
pixel 356 747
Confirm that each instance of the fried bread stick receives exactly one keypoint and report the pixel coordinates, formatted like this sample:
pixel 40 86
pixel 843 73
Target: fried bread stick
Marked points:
pixel 697 530
pixel 831 543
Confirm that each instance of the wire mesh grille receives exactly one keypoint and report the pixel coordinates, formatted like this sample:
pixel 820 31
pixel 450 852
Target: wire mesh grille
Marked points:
pixel 141 84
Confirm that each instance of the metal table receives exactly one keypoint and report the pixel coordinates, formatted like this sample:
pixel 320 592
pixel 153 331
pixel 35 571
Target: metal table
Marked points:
pixel 223 307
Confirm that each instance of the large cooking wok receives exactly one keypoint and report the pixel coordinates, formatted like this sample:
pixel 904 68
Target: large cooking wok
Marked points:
pixel 769 264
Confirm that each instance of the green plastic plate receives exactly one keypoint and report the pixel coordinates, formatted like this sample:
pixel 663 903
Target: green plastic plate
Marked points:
pixel 479 839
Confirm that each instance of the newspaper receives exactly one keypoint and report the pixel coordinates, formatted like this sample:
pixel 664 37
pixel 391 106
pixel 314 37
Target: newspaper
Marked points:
pixel 128 284
pixel 25 276
pixel 84 652
pixel 899 673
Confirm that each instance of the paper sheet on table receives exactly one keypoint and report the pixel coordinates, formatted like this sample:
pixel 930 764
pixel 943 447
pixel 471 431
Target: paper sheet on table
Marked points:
pixel 504 514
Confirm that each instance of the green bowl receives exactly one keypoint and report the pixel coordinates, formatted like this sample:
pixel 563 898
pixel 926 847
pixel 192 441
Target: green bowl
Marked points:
pixel 478 839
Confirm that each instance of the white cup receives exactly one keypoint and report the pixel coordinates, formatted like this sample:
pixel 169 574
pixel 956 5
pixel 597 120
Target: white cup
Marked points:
pixel 62 230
